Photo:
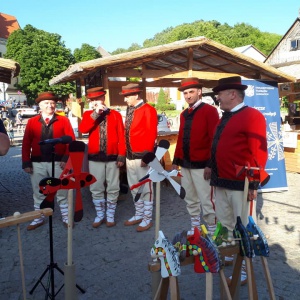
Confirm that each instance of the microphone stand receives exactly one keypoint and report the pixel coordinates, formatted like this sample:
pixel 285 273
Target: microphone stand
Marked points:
pixel 52 265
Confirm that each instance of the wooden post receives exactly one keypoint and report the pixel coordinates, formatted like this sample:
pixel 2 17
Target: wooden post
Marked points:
pixel 156 276
pixel 157 210
pixel 17 219
pixel 268 277
pixel 70 227
pixel 21 261
pixel 69 268
pixel 208 286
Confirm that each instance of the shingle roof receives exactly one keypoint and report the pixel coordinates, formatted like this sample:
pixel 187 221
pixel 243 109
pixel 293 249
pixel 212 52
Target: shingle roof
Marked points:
pixel 8 24
pixel 200 57
pixel 8 69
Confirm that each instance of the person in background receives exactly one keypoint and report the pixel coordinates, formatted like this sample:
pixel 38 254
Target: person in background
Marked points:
pixel 192 154
pixel 106 154
pixel 19 122
pixel 37 159
pixel 8 124
pixel 239 139
pixel 140 137
pixel 4 140
pixel 4 114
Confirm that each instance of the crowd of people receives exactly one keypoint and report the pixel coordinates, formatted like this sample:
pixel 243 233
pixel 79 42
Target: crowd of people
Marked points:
pixel 10 123
pixel 207 149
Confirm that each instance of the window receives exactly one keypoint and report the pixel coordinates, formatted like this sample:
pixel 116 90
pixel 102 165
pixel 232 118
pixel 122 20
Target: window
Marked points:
pixel 295 45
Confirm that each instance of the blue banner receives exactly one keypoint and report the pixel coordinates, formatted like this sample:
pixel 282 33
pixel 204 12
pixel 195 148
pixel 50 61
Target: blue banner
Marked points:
pixel 263 95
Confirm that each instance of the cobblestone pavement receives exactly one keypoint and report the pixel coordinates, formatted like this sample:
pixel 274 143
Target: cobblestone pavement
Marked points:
pixel 112 263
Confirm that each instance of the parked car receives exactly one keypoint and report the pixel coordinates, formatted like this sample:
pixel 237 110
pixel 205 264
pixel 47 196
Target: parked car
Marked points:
pixel 26 111
pixel 163 123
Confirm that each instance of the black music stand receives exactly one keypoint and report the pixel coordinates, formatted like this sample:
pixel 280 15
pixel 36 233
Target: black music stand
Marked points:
pixel 52 265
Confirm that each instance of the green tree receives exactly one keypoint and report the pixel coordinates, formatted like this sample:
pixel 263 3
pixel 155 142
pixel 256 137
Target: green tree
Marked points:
pixel 159 38
pixel 133 47
pixel 41 55
pixel 240 34
pixel 86 52
pixel 119 50
pixel 162 100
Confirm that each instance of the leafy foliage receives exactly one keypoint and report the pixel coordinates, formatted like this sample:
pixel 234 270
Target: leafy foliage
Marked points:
pixel 285 101
pixel 163 101
pixel 41 56
pixel 240 34
pixel 162 98
pixel 133 47
pixel 86 52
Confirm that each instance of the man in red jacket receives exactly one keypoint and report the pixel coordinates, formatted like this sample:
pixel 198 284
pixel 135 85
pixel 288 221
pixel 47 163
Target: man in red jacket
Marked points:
pixel 37 159
pixel 106 154
pixel 192 153
pixel 240 139
pixel 140 135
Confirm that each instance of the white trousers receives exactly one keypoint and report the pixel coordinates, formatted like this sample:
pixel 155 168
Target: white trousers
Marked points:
pixel 105 172
pixel 134 173
pixel 199 194
pixel 230 205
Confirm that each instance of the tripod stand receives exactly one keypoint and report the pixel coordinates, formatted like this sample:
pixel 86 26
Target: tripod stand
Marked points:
pixel 52 265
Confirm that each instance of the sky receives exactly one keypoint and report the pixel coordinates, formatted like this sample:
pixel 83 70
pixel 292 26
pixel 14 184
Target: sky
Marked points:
pixel 116 24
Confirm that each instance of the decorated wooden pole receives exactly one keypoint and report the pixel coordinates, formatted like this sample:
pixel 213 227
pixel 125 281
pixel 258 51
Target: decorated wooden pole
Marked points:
pixel 72 179
pixel 156 174
pixel 74 182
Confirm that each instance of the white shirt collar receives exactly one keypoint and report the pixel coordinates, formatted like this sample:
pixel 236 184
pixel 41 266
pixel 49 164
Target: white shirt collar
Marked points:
pixel 239 106
pixel 139 102
pixel 49 117
pixel 196 104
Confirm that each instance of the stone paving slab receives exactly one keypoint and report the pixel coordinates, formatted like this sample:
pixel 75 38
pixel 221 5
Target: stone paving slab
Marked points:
pixel 112 263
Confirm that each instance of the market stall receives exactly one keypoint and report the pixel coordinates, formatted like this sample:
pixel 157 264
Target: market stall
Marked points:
pixel 165 66
pixel 8 70
pixel 291 125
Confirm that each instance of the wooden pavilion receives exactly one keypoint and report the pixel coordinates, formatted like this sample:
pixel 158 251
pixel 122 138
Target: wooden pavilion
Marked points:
pixel 165 66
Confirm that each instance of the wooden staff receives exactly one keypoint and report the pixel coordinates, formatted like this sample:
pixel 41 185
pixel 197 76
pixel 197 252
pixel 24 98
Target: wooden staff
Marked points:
pixel 69 268
pixel 157 210
pixel 21 261
pixel 17 219
pixel 70 228
pixel 156 276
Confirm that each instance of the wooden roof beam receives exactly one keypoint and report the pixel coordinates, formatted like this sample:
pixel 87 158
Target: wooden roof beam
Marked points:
pixel 201 75
pixel 172 64
pixel 210 67
pixel 235 60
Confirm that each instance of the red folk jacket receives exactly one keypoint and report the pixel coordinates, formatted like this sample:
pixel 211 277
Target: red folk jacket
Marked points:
pixel 240 138
pixel 111 137
pixel 140 131
pixel 36 130
pixel 193 148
